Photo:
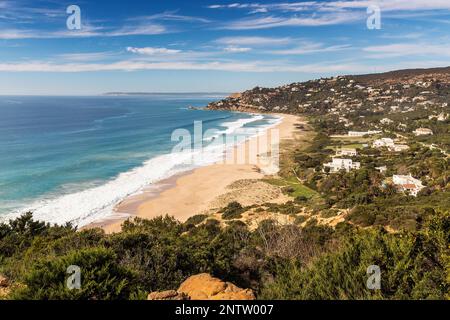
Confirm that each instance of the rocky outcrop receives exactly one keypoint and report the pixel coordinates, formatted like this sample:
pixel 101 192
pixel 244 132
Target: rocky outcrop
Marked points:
pixel 3 282
pixel 168 295
pixel 4 287
pixel 204 287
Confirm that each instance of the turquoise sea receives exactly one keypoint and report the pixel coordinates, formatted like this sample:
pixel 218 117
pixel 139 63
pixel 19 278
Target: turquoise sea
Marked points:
pixel 74 158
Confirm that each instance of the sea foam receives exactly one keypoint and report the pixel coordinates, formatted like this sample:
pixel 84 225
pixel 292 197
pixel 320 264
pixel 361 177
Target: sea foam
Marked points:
pixel 97 203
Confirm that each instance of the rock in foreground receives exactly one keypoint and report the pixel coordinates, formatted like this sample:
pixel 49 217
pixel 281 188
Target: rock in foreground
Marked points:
pixel 204 287
pixel 168 295
pixel 3 281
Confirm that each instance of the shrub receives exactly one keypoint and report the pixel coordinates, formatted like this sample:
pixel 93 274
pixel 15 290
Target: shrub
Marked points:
pixel 198 218
pixel 300 219
pixel 412 266
pixel 301 199
pixel 101 278
pixel 233 210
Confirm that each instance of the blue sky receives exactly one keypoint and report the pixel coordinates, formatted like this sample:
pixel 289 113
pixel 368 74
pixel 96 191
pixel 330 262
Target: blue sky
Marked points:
pixel 205 46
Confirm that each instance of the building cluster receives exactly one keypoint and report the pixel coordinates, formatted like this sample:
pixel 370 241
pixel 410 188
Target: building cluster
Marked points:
pixel 423 132
pixel 407 184
pixel 389 144
pixel 360 107
pixel 338 164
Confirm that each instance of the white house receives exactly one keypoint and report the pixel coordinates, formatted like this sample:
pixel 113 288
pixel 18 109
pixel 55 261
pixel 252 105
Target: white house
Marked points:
pixel 423 132
pixel 338 164
pixel 357 133
pixel 383 142
pixel 407 184
pixel 381 169
pixel 346 152
pixel 399 147
pixel 386 121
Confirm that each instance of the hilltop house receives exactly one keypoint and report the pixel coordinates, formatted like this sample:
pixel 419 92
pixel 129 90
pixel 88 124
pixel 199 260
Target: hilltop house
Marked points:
pixel 389 143
pixel 383 142
pixel 423 132
pixel 407 184
pixel 346 152
pixel 386 121
pixel 439 117
pixel 399 147
pixel 381 169
pixel 338 164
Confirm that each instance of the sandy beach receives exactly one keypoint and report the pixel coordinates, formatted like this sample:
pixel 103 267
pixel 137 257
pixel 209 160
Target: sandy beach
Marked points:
pixel 205 189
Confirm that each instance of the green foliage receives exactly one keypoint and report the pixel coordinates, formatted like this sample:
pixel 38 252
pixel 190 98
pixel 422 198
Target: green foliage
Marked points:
pixel 300 219
pixel 198 218
pixel 412 267
pixel 102 278
pixel 284 208
pixel 232 211
pixel 313 262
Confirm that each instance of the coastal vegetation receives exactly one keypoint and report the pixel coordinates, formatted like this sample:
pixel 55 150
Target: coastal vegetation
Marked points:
pixel 339 222
pixel 278 262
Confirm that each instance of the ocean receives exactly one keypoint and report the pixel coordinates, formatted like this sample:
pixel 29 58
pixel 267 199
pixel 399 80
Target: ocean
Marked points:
pixel 72 159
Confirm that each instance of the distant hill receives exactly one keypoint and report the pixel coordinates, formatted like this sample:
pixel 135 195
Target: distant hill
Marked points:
pixel 123 93
pixel 399 74
pixel 407 90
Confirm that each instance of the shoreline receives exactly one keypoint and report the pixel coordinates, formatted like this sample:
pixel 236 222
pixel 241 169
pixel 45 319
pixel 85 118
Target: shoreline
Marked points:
pixel 196 191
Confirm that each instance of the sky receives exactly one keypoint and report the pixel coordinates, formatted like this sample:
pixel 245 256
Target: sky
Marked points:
pixel 211 46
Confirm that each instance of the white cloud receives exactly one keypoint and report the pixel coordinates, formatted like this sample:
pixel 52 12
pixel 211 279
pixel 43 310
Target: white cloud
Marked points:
pixel 412 35
pixel 152 50
pixel 308 48
pixel 322 13
pixel 86 31
pixel 335 68
pixel 172 16
pixel 408 49
pixel 253 41
pixel 391 5
pixel 149 29
pixel 267 22
pixel 134 65
pixel 233 49
pixel 395 5
pixel 89 56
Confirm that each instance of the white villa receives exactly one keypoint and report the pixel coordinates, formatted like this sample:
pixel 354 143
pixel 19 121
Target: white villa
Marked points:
pixel 338 164
pixel 346 152
pixel 381 169
pixel 386 121
pixel 383 142
pixel 389 143
pixel 399 147
pixel 423 132
pixel 407 184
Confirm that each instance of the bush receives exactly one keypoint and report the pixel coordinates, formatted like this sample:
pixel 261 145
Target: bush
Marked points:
pixel 194 220
pixel 233 210
pixel 412 266
pixel 301 199
pixel 101 278
pixel 362 216
pixel 300 219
